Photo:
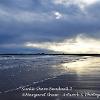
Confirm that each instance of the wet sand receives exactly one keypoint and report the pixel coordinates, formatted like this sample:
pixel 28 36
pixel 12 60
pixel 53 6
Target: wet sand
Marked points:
pixel 82 77
pixel 63 81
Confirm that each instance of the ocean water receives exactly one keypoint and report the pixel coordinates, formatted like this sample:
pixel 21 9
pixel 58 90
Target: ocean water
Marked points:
pixel 82 73
pixel 21 70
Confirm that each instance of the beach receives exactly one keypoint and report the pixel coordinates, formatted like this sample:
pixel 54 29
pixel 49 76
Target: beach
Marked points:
pixel 58 77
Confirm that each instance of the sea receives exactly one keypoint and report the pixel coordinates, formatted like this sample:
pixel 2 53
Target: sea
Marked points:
pixel 82 73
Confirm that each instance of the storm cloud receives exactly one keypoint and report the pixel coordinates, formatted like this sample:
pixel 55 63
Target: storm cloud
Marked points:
pixel 38 21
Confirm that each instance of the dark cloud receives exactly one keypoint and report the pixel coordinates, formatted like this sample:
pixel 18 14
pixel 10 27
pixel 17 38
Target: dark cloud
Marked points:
pixel 93 10
pixel 34 20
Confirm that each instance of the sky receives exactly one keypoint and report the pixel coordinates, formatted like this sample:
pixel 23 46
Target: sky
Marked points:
pixel 50 26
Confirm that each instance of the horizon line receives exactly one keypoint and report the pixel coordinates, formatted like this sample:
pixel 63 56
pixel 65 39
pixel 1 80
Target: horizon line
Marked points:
pixel 48 54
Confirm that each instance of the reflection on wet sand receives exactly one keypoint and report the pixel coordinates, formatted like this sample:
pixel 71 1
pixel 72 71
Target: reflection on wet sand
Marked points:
pixel 87 76
pixel 84 67
pixel 82 74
